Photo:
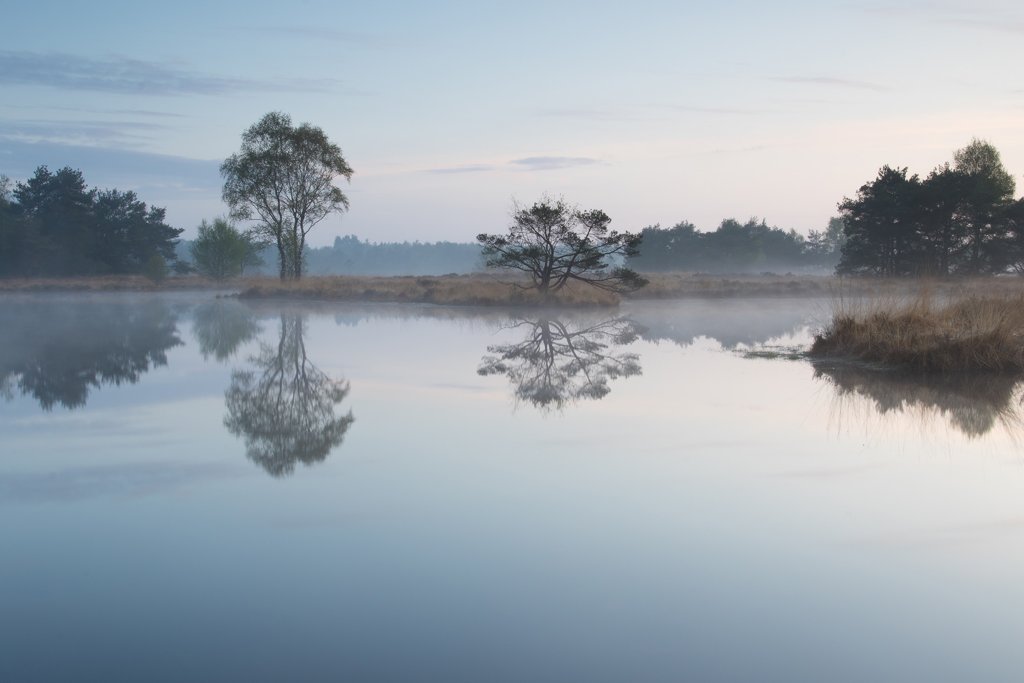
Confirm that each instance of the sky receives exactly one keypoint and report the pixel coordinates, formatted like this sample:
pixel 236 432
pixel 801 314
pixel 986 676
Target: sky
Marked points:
pixel 655 112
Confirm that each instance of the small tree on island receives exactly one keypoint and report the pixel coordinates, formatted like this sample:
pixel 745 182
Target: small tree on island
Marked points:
pixel 221 251
pixel 554 243
pixel 283 178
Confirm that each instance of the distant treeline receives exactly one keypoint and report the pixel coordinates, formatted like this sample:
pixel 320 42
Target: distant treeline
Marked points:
pixel 962 219
pixel 735 247
pixel 53 225
pixel 352 256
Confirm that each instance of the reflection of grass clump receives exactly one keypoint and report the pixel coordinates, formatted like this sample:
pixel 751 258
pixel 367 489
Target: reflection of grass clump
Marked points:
pixel 973 402
pixel 976 332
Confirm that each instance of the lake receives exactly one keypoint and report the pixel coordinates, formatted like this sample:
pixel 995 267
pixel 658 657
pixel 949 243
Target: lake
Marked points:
pixel 202 489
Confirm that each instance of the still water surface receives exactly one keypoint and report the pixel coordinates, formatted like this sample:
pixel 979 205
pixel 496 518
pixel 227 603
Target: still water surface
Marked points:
pixel 199 489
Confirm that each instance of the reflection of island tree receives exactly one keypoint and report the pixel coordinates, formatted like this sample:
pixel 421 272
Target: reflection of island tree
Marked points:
pixel 973 403
pixel 557 363
pixel 284 408
pixel 221 326
pixel 58 353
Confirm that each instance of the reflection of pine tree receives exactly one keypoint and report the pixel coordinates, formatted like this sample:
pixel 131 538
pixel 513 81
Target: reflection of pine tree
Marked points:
pixel 221 326
pixel 973 403
pixel 556 364
pixel 58 353
pixel 284 407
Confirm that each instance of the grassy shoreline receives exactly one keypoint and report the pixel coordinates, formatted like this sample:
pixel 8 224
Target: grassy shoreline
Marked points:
pixel 946 333
pixel 483 289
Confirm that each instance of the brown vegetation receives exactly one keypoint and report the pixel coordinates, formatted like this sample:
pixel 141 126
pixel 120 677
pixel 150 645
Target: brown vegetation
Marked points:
pixel 966 331
pixel 111 283
pixel 474 290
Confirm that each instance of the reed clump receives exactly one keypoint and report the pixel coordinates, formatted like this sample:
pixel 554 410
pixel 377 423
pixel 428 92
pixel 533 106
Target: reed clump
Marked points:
pixel 968 332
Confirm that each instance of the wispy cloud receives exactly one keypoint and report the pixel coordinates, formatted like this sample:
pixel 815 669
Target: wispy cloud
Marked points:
pixel 552 163
pixel 145 113
pixel 116 167
pixel 740 111
pixel 588 114
pixel 331 35
pixel 831 81
pixel 125 76
pixel 466 168
pixel 973 15
pixel 125 133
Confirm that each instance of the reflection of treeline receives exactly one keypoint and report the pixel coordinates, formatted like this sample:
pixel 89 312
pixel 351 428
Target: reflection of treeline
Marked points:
pixel 737 248
pixel 731 323
pixel 53 225
pixel 972 402
pixel 58 353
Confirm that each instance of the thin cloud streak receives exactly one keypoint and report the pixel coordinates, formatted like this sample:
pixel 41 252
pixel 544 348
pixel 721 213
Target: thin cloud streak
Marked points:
pixel 952 14
pixel 552 163
pixel 588 114
pixel 147 113
pixel 319 33
pixel 127 133
pixel 124 76
pixel 106 166
pixel 715 110
pixel 467 168
pixel 831 81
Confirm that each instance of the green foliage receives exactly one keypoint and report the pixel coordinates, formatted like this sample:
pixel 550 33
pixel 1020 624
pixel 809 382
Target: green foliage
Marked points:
pixel 350 255
pixel 554 243
pixel 733 247
pixel 283 178
pixel 220 251
pixel 52 225
pixel 155 268
pixel 960 219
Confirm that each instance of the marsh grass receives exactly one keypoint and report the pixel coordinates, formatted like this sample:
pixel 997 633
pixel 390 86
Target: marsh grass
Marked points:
pixel 468 290
pixel 950 331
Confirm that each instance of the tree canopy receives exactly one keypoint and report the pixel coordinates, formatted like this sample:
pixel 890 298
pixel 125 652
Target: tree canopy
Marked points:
pixel 54 225
pixel 283 178
pixel 554 243
pixel 220 251
pixel 961 219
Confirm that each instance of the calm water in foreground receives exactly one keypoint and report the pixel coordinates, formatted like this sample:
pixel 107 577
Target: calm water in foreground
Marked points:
pixel 195 489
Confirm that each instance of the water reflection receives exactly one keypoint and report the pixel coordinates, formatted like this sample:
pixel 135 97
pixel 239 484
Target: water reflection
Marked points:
pixel 284 406
pixel 221 326
pixel 561 361
pixel 59 352
pixel 731 323
pixel 972 404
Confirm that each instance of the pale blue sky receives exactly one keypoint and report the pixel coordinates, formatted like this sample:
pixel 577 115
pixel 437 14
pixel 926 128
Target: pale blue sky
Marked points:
pixel 655 112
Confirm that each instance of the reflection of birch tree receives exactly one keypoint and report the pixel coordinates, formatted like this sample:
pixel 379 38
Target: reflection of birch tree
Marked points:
pixel 558 363
pixel 221 326
pixel 284 407
pixel 972 403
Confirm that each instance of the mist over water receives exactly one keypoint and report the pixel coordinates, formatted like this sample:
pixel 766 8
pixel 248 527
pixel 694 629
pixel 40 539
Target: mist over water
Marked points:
pixel 195 488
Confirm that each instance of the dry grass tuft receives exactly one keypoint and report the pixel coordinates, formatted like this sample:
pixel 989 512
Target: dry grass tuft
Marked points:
pixel 453 290
pixel 967 332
